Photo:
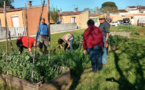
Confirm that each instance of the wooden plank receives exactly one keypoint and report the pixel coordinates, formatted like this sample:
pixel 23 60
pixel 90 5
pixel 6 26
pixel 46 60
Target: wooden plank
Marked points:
pixel 48 11
pixel 36 40
pixel 6 27
pixel 27 27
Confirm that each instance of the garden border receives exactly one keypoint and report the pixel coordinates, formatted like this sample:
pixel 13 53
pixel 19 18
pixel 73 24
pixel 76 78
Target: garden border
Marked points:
pixel 54 84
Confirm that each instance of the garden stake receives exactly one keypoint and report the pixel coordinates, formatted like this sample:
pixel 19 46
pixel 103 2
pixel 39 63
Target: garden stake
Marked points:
pixel 6 27
pixel 6 32
pixel 48 11
pixel 27 27
pixel 36 42
pixel 11 41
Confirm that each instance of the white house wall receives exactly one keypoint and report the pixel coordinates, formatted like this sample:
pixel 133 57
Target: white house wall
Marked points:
pixel 134 12
pixel 136 19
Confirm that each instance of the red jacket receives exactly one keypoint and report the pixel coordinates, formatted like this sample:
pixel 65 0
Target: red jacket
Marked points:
pixel 92 37
pixel 23 41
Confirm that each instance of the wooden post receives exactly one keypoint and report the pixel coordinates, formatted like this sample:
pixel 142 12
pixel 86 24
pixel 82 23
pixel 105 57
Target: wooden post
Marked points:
pixel 36 40
pixel 6 32
pixel 39 26
pixel 48 11
pixel 6 27
pixel 27 27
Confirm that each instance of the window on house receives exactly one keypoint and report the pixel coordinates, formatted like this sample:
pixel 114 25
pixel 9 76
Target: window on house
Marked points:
pixel 73 19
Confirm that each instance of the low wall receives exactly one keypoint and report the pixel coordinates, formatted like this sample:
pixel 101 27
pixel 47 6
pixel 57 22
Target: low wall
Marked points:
pixel 2 33
pixel 124 34
pixel 62 27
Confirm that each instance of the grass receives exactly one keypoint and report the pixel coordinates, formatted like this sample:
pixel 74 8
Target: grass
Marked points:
pixel 54 39
pixel 5 87
pixel 127 28
pixel 125 69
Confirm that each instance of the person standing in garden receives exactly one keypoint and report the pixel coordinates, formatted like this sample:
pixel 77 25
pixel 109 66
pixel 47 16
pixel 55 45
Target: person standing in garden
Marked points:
pixel 22 43
pixel 93 45
pixel 43 36
pixel 105 27
pixel 68 39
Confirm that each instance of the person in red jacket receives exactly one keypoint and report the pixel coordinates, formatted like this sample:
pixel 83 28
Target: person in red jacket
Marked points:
pixel 22 43
pixel 93 45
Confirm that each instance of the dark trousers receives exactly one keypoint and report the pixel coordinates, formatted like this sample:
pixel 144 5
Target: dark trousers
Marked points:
pixel 95 54
pixel 20 47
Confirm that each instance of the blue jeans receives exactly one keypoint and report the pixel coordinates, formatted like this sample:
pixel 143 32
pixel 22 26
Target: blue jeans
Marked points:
pixel 71 45
pixel 104 56
pixel 95 54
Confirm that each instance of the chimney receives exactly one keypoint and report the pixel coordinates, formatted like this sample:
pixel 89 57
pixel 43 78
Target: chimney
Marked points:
pixel 8 7
pixel 58 11
pixel 76 9
pixel 29 3
pixel 138 7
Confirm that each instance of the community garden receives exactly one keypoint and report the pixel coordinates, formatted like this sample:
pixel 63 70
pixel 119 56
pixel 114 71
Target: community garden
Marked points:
pixel 125 69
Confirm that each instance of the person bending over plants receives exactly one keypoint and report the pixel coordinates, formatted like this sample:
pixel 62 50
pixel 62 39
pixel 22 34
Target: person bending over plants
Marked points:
pixel 22 43
pixel 93 45
pixel 68 39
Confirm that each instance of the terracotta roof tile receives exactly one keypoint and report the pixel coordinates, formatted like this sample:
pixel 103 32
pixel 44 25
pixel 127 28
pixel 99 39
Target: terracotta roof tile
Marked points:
pixel 94 15
pixel 132 6
pixel 10 10
pixel 70 13
pixel 122 11
pixel 142 7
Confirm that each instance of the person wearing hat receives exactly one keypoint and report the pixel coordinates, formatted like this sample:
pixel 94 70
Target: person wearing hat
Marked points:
pixel 105 27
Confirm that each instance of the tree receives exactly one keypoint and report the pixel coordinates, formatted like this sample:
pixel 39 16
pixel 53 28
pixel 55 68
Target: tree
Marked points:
pixel 54 14
pixel 8 3
pixel 91 11
pixel 109 7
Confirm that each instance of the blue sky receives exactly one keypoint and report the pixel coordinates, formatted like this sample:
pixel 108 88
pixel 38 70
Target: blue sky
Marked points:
pixel 68 5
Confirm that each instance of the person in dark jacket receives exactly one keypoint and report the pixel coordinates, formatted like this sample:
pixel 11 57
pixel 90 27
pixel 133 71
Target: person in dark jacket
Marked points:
pixel 105 27
pixel 92 45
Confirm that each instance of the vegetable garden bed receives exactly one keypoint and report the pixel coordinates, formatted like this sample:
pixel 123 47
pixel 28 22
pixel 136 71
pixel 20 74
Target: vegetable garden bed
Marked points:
pixel 21 84
pixel 54 73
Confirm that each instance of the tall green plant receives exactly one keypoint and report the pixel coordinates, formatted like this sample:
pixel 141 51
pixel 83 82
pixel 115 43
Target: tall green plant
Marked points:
pixel 54 14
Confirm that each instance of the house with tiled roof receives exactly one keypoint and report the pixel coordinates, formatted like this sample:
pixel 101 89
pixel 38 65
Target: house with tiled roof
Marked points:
pixel 135 9
pixel 78 17
pixel 16 18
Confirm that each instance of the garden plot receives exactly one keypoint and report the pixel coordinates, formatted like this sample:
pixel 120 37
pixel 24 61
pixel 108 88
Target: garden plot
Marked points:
pixel 20 65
